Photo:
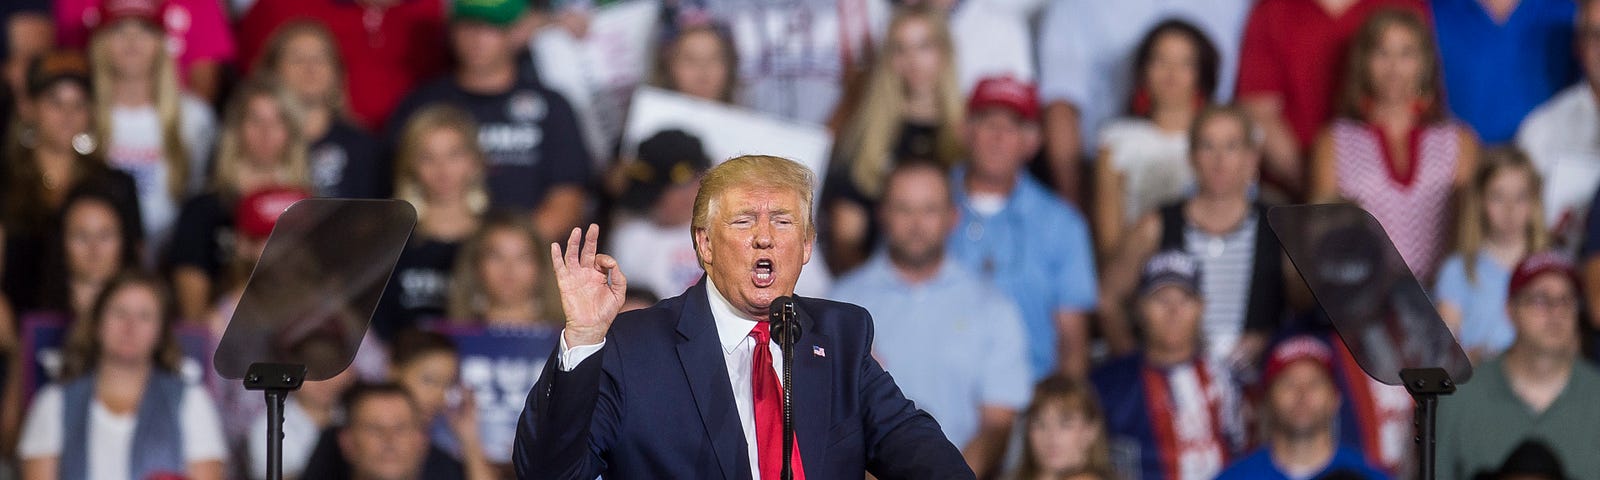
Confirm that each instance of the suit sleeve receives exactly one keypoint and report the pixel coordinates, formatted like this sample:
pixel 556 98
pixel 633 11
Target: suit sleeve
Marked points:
pixel 570 419
pixel 902 440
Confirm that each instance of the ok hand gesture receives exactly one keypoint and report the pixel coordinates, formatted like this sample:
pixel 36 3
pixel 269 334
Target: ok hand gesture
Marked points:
pixel 592 287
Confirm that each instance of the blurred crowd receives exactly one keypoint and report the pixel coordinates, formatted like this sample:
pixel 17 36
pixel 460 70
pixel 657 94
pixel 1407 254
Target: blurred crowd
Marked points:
pixel 1055 211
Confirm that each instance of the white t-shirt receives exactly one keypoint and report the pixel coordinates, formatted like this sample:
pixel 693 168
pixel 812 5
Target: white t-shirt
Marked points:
pixel 1154 164
pixel 1562 138
pixel 662 260
pixel 135 147
pixel 1086 50
pixel 111 435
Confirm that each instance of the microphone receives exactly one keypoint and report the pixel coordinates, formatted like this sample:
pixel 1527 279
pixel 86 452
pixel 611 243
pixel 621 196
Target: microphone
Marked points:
pixel 785 329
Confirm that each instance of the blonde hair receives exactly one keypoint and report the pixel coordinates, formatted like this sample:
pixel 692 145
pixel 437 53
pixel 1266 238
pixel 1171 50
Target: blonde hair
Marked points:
pixel 272 57
pixel 294 169
pixel 868 139
pixel 759 171
pixel 1061 393
pixel 1472 223
pixel 167 98
pixel 467 299
pixel 435 117
pixel 83 345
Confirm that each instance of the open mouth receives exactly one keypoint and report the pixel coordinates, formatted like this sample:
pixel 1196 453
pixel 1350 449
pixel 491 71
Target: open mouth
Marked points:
pixel 762 274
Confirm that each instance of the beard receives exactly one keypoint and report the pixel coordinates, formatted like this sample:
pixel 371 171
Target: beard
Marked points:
pixel 916 255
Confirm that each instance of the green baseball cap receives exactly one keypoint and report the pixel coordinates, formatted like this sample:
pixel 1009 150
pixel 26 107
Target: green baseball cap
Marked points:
pixel 495 12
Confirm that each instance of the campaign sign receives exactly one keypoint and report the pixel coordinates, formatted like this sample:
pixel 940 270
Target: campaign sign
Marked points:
pixel 499 366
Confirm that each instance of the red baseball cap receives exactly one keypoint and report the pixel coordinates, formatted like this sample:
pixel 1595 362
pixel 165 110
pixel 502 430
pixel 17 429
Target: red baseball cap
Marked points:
pixel 109 12
pixel 1005 92
pixel 1295 349
pixel 1539 264
pixel 258 211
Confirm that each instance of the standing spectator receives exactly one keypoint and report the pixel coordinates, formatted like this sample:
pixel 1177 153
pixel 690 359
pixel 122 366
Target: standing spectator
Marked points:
pixel 1014 233
pixel 197 32
pixel 1481 41
pixel 699 61
pixel 1300 405
pixel 1086 68
pixel 1499 224
pixel 95 243
pixel 1066 435
pixel 1242 268
pixel 1289 71
pixel 657 207
pixel 1562 137
pixel 1393 150
pixel 536 159
pixel 123 411
pixel 1170 413
pixel 1538 389
pixel 261 147
pixel 385 438
pixel 52 154
pixel 953 342
pixel 1143 158
pixel 441 173
pixel 502 278
pixel 389 46
pixel 342 157
pixel 149 127
pixel 990 37
pixel 911 109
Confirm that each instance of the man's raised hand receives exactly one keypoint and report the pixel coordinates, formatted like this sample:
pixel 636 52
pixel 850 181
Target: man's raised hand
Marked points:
pixel 592 287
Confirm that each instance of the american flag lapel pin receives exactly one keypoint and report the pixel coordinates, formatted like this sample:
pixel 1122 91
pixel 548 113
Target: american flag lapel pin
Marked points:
pixel 818 351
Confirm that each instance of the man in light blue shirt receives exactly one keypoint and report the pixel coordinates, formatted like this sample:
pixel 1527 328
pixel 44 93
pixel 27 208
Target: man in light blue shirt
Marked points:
pixel 952 341
pixel 1014 232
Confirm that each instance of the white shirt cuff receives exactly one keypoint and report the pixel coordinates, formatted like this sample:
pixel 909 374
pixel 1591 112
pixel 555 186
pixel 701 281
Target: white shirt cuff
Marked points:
pixel 571 357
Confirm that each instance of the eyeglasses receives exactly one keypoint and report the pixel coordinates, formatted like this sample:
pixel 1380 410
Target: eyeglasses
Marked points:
pixel 1561 304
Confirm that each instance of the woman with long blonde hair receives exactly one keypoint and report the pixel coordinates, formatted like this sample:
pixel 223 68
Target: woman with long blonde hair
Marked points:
pixel 502 280
pixel 151 129
pixel 303 57
pixel 911 108
pixel 261 147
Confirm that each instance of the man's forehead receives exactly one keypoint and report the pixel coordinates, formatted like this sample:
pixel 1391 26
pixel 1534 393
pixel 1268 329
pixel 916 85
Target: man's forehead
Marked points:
pixel 748 198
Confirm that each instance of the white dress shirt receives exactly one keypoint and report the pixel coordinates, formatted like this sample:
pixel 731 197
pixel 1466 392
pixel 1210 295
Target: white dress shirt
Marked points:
pixel 738 350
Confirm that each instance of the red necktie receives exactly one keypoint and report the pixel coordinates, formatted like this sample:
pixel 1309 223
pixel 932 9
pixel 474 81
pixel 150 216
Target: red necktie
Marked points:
pixel 767 394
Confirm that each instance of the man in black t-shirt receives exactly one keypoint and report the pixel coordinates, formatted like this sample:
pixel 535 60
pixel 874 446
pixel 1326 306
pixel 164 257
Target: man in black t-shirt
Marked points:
pixel 529 134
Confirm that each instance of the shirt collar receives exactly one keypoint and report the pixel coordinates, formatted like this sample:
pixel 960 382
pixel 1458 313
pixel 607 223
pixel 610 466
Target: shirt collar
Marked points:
pixel 732 327
pixel 881 267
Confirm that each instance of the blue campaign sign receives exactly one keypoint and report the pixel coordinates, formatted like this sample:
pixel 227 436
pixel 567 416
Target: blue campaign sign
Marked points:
pixel 500 366
pixel 44 337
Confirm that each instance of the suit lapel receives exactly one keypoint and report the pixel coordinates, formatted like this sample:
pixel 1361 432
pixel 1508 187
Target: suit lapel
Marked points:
pixel 813 387
pixel 700 355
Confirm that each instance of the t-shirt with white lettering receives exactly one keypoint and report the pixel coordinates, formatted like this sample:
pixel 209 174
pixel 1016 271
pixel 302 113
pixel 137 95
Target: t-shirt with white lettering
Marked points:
pixel 110 435
pixel 135 147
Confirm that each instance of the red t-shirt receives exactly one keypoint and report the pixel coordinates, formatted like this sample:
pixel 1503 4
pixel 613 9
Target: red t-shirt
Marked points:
pixel 1295 49
pixel 386 51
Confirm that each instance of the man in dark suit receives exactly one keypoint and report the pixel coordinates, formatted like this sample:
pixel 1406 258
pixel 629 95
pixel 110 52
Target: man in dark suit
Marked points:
pixel 689 388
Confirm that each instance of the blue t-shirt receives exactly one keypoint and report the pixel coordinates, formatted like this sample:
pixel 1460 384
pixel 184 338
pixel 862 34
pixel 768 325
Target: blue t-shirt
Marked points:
pixel 1259 466
pixel 1535 42
pixel 1484 324
pixel 1036 249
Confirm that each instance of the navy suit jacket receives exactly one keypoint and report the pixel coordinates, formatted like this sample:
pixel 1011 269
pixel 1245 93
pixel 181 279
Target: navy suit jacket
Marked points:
pixel 655 402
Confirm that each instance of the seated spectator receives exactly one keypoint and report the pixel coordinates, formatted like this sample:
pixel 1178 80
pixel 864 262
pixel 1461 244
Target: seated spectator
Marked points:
pixel 1143 160
pixel 1500 223
pixel 123 411
pixel 306 413
pixel 1537 389
pixel 1066 433
pixel 1227 233
pixel 261 147
pixel 343 159
pixel 1560 137
pixel 440 171
pixel 1086 68
pixel 389 46
pixel 1300 405
pixel 1014 233
pixel 534 153
pixel 148 126
pixel 1481 42
pixel 502 278
pixel 1289 64
pixel 95 244
pixel 197 32
pixel 952 341
pixel 384 438
pixel 1533 460
pixel 52 156
pixel 1170 412
pixel 700 61
pixel 656 207
pixel 1393 150
pixel 910 109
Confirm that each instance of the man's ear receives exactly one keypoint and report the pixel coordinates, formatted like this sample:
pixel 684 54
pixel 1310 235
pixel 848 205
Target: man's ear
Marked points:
pixel 702 245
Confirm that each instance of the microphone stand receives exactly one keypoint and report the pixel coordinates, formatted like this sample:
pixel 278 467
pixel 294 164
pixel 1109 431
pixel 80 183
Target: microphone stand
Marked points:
pixel 788 330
